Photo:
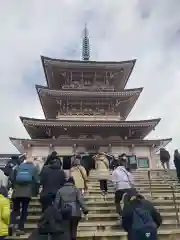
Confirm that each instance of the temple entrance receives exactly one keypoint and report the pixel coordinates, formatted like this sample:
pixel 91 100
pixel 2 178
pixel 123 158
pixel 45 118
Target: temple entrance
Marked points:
pixel 88 162
pixel 132 162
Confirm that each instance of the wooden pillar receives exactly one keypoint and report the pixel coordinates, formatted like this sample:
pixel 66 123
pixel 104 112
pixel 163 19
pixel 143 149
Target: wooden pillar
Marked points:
pixel 29 151
pixel 74 148
pixel 110 148
pixel 51 148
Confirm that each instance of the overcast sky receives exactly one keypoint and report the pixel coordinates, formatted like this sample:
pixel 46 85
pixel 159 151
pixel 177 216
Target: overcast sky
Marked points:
pixel 148 30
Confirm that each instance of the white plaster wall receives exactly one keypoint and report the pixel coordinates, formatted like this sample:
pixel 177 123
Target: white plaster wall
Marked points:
pixel 119 150
pixel 64 150
pixel 40 151
pixel 144 152
pixel 90 118
pixel 103 149
pixel 80 149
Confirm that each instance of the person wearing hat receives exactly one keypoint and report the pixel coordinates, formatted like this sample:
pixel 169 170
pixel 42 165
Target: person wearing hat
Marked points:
pixel 140 219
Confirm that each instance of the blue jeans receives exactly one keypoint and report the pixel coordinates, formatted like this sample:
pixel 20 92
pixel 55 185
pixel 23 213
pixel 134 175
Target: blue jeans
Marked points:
pixel 148 233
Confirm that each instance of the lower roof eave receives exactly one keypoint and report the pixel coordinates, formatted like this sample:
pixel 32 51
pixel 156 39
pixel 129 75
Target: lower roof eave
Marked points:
pixel 22 144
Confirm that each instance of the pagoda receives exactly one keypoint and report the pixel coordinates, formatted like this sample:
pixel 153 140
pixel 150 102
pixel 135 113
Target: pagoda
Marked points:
pixel 86 105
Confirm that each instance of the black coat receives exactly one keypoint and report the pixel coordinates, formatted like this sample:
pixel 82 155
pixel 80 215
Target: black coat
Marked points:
pixel 51 221
pixel 177 160
pixel 51 224
pixel 52 178
pixel 127 215
pixel 164 155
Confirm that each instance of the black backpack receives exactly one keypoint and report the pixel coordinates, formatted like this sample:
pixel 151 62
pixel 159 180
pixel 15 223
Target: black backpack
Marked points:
pixel 142 219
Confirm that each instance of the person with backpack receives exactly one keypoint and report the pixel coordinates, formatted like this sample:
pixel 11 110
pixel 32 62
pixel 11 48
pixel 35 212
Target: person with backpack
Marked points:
pixel 52 178
pixel 70 198
pixel 123 183
pixel 23 180
pixel 140 219
pixel 4 213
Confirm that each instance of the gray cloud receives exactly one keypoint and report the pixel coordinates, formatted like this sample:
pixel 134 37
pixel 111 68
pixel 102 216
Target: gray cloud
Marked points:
pixel 119 30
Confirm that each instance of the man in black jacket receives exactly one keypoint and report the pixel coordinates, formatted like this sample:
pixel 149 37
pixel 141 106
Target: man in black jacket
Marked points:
pixel 52 178
pixel 164 158
pixel 177 163
pixel 140 219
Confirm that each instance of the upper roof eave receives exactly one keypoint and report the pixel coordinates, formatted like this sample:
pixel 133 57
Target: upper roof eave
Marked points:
pixel 44 58
pixel 75 62
pixel 130 92
pixel 57 122
pixel 20 141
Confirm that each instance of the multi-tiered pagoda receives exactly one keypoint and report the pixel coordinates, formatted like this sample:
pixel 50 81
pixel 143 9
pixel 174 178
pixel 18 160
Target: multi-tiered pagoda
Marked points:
pixel 86 105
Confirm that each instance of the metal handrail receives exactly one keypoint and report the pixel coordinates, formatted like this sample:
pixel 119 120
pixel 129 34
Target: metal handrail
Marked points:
pixel 150 184
pixel 173 188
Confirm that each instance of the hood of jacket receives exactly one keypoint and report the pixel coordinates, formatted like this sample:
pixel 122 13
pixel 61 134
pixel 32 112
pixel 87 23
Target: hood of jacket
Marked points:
pixel 55 165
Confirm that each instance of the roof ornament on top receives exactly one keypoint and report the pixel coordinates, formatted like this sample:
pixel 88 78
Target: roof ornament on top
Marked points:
pixel 85 45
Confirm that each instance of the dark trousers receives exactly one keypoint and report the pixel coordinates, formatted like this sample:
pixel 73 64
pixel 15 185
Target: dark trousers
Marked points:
pixel 147 233
pixel 19 209
pixel 165 165
pixel 103 185
pixel 73 227
pixel 47 201
pixel 178 172
pixel 118 198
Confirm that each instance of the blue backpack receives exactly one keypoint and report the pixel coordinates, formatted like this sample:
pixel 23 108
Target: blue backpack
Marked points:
pixel 142 219
pixel 25 173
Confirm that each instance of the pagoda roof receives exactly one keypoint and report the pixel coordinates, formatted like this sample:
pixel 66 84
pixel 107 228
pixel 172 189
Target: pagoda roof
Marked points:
pixel 21 144
pixel 49 99
pixel 41 128
pixel 52 65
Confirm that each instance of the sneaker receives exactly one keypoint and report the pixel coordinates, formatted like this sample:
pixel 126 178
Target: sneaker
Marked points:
pixel 20 232
pixel 11 229
pixel 119 220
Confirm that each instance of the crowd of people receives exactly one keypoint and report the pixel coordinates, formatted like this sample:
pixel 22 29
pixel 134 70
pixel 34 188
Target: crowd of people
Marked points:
pixel 62 196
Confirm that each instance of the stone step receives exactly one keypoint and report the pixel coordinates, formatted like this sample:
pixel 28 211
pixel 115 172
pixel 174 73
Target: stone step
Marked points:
pixel 142 190
pixel 102 209
pixel 110 202
pixel 103 225
pixel 107 216
pixel 112 235
pixel 147 195
pixel 143 186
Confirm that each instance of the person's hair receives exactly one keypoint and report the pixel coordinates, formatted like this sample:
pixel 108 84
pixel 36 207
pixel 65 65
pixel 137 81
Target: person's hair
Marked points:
pixel 176 151
pixel 116 163
pixel 78 157
pixel 122 162
pixel 128 197
pixel 71 180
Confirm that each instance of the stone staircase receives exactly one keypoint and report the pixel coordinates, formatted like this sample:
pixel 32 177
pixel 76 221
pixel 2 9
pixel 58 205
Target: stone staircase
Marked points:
pixel 102 219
